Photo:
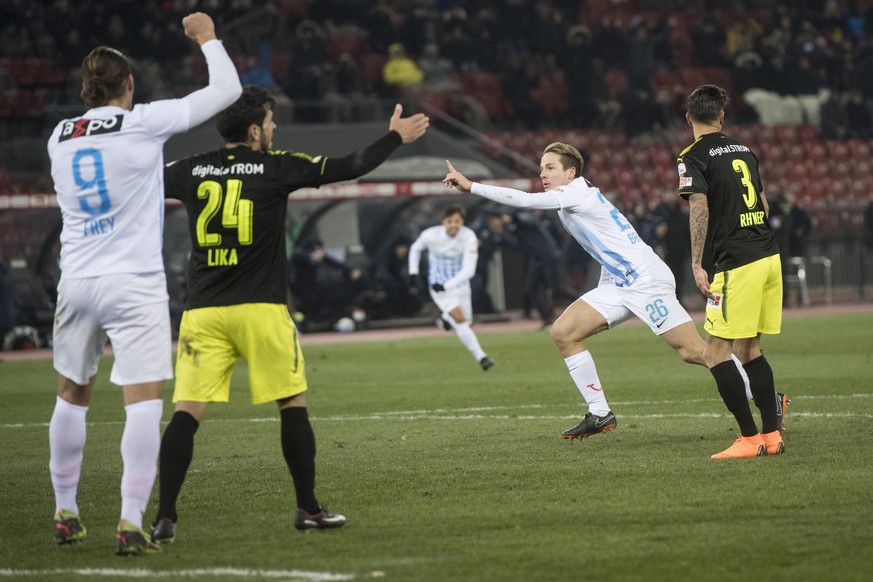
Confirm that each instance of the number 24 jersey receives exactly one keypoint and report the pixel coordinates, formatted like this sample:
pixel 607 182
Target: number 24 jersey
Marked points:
pixel 237 203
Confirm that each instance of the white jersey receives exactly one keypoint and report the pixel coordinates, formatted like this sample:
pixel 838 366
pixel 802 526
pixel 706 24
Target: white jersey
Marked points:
pixel 451 259
pixel 594 222
pixel 108 171
pixel 107 167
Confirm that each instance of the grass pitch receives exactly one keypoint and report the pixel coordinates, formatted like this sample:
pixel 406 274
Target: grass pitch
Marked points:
pixel 446 473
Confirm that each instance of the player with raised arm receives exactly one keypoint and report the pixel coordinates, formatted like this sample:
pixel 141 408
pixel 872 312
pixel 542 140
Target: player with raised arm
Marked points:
pixel 452 251
pixel 237 199
pixel 633 281
pixel 107 167
pixel 719 177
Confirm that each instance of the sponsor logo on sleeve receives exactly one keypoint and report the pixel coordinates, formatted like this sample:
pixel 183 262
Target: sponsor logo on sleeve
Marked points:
pixel 685 182
pixel 84 127
pixel 681 168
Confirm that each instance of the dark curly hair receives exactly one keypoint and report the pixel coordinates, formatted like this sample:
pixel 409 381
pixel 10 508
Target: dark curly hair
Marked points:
pixel 706 103
pixel 251 108
pixel 453 209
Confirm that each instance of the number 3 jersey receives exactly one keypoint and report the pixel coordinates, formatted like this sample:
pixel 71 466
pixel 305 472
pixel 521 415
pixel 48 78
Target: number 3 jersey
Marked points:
pixel 107 168
pixel 727 173
pixel 237 202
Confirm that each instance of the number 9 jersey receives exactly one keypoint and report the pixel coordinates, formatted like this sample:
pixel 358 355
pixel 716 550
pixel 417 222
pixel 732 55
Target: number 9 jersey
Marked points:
pixel 237 200
pixel 107 169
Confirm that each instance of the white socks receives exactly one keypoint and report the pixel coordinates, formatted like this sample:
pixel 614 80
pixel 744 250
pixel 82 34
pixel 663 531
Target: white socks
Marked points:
pixel 584 374
pixel 468 337
pixel 66 444
pixel 140 445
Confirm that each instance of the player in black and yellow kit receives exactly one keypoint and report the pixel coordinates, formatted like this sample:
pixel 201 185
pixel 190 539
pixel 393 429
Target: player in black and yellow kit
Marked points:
pixel 236 198
pixel 719 177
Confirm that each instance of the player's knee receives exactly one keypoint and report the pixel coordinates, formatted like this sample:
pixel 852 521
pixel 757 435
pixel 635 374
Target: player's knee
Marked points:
pixel 562 335
pixel 692 356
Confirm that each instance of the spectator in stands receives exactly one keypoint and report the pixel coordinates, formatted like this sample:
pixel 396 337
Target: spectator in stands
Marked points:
pixel 401 73
pixel 708 38
pixel 310 83
pixel 676 238
pixel 610 42
pixel 859 117
pixel 748 72
pixel 545 26
pixel 258 70
pixel 742 36
pixel 867 247
pixel 492 237
pixel 380 25
pixel 418 28
pixel 643 114
pixel 641 59
pixel 862 77
pixel 833 116
pixel 644 222
pixel 352 84
pixel 791 225
pixel 5 179
pixel 7 301
pixel 539 241
pixel 810 85
pixel 582 82
pixel 578 263
pixel 325 286
pixel 440 77
pixel 390 271
pixel 517 79
pixel 439 72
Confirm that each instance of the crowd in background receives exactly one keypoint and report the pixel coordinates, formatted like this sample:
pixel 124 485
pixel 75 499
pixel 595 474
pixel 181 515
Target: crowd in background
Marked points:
pixel 342 54
pixel 621 63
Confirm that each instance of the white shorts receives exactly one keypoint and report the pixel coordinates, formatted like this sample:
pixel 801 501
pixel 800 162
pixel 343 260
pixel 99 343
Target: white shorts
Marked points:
pixel 131 310
pixel 450 298
pixel 651 297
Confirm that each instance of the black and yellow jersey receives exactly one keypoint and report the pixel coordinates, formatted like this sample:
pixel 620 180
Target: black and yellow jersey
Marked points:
pixel 727 173
pixel 237 201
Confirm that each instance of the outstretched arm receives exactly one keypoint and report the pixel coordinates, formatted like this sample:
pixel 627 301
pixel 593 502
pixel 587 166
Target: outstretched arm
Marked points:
pixel 401 130
pixel 699 223
pixel 508 196
pixel 224 87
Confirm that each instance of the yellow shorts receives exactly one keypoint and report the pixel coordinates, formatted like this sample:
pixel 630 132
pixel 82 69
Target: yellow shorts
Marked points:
pixel 212 338
pixel 748 300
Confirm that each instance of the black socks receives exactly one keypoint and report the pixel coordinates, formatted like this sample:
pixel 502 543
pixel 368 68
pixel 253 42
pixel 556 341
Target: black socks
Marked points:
pixel 763 391
pixel 733 393
pixel 177 449
pixel 298 446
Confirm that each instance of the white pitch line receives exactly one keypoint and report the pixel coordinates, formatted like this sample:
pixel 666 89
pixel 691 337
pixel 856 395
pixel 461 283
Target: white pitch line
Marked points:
pixel 446 415
pixel 301 575
pixel 425 413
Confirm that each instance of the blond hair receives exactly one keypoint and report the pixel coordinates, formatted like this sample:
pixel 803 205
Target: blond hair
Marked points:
pixel 568 155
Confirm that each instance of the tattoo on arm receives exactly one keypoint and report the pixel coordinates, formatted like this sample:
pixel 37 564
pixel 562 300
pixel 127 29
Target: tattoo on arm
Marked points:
pixel 699 222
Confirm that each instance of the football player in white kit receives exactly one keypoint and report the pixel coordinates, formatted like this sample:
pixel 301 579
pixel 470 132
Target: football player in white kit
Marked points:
pixel 452 251
pixel 633 281
pixel 107 167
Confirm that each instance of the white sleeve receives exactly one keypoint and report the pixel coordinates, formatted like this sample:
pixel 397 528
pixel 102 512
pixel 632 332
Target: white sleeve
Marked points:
pixel 224 87
pixel 468 264
pixel 415 253
pixel 545 201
